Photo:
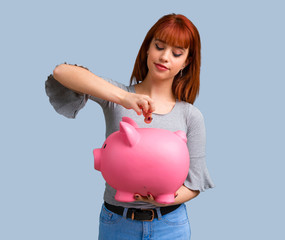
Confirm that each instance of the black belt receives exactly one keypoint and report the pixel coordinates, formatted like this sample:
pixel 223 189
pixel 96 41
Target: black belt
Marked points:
pixel 141 214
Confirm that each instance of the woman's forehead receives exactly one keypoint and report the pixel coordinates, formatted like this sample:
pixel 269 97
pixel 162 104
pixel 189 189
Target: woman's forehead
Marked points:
pixel 165 42
pixel 173 37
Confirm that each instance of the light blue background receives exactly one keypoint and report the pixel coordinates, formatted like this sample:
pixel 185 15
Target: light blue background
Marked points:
pixel 49 189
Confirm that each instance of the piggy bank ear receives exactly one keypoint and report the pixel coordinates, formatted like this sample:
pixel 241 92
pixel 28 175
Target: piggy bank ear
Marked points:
pixel 130 121
pixel 182 135
pixel 129 134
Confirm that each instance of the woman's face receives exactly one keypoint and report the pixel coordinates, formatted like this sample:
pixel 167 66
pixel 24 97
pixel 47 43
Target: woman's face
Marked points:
pixel 165 61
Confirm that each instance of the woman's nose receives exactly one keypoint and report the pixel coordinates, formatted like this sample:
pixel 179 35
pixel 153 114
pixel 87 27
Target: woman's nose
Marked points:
pixel 164 57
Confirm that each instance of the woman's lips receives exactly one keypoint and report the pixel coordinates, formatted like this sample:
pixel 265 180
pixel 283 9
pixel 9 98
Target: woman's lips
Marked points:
pixel 160 67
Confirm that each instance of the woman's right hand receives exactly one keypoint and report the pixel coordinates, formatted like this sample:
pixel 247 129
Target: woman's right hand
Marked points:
pixel 142 104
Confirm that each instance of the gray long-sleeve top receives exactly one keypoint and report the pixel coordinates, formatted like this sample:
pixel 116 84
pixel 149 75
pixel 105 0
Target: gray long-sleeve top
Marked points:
pixel 184 116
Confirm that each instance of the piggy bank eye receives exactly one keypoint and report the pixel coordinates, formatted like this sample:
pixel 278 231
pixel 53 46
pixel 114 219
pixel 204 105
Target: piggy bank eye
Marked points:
pixel 104 145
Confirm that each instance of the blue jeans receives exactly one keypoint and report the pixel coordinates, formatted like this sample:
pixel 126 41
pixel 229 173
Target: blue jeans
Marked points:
pixel 174 225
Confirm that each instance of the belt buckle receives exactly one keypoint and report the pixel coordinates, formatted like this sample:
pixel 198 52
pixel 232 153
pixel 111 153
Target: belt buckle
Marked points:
pixel 149 210
pixel 152 214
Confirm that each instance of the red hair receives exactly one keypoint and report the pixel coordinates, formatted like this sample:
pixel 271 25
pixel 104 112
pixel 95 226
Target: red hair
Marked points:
pixel 175 30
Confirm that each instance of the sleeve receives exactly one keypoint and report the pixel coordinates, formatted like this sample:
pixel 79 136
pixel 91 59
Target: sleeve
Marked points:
pixel 65 101
pixel 198 177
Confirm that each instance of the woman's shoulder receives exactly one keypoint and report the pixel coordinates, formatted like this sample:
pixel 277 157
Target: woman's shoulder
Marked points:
pixel 193 118
pixel 190 111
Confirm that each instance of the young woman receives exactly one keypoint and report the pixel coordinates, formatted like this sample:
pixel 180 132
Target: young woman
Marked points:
pixel 164 85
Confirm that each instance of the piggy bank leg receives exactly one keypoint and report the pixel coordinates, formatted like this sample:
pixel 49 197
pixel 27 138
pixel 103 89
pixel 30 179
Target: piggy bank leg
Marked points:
pixel 165 198
pixel 122 196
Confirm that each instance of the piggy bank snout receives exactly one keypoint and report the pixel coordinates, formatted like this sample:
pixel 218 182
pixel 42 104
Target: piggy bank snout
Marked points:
pixel 97 158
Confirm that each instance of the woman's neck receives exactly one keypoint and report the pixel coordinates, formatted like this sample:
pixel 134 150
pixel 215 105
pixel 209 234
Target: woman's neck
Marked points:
pixel 157 89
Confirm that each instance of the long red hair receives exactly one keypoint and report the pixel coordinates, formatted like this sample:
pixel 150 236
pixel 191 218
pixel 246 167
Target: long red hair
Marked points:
pixel 175 30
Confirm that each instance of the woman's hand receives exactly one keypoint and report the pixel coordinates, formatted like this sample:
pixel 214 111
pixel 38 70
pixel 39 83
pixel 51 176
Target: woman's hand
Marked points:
pixel 142 104
pixel 149 199
pixel 182 195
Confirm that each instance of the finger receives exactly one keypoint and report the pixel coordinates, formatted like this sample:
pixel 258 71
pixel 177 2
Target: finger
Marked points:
pixel 138 197
pixel 150 197
pixel 148 118
pixel 138 109
pixel 151 106
pixel 144 105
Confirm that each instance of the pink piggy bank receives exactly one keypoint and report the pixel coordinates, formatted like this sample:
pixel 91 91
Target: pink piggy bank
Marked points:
pixel 143 160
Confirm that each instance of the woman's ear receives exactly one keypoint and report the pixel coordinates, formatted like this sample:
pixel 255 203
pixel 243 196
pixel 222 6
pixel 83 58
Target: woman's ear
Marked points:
pixel 187 61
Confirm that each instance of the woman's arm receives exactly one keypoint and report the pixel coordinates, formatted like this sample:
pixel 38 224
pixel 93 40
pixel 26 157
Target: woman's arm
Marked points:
pixel 183 195
pixel 83 81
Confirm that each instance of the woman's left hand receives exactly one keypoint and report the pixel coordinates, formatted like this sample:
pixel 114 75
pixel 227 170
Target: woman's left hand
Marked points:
pixel 149 199
pixel 182 195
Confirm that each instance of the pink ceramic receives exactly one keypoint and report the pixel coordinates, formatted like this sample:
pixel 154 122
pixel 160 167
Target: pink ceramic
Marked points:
pixel 143 160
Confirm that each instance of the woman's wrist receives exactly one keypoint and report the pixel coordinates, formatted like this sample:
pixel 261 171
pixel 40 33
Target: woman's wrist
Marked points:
pixel 121 96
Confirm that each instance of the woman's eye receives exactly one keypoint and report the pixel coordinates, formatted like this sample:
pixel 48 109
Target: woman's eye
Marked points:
pixel 104 145
pixel 177 54
pixel 158 47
